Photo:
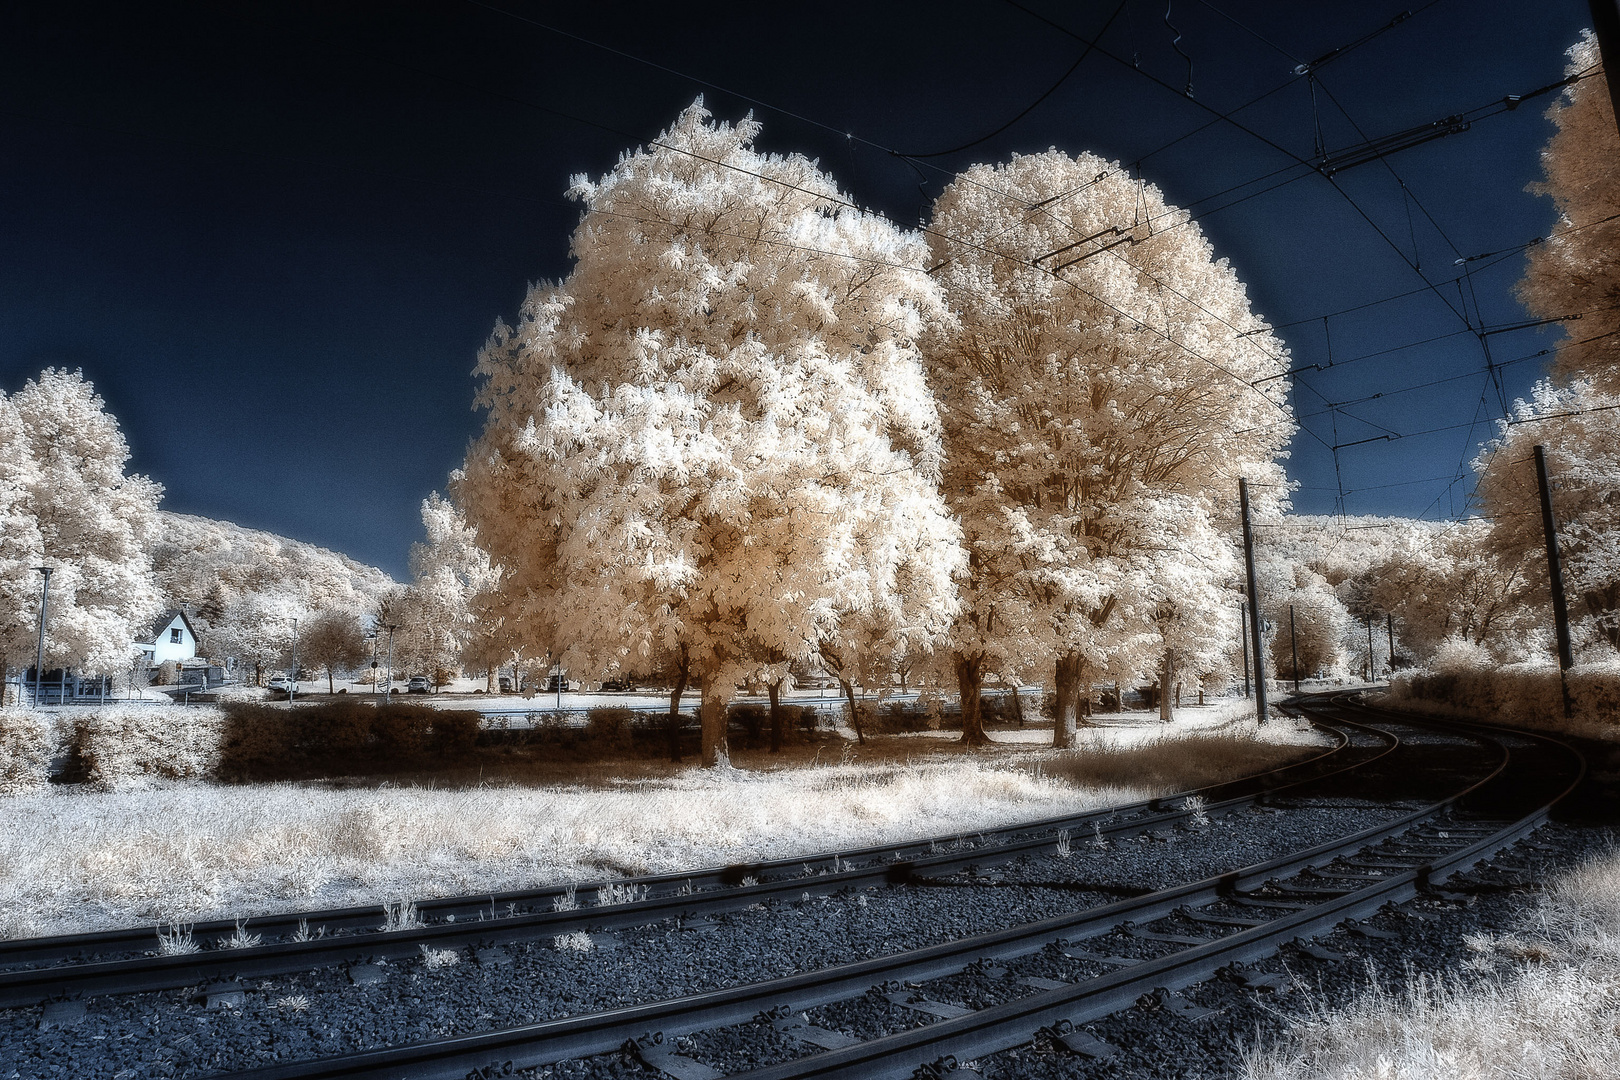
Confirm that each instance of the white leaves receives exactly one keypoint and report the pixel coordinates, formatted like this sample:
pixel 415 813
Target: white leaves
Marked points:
pixel 66 503
pixel 708 437
pixel 1098 412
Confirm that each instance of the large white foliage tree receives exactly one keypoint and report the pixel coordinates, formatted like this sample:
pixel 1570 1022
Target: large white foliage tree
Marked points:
pixel 67 503
pixel 1576 271
pixel 1576 415
pixel 1579 427
pixel 713 443
pixel 1101 365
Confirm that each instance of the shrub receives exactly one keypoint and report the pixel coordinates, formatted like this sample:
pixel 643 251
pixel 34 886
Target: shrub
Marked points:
pixel 27 743
pixel 341 738
pixel 125 746
pixel 1523 694
pixel 755 721
pixel 608 728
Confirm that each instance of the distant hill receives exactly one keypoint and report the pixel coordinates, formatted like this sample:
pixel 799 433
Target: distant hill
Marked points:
pixel 214 565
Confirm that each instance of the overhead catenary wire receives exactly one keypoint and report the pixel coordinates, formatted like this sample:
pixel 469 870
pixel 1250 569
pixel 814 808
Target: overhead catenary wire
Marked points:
pixel 840 200
pixel 1090 45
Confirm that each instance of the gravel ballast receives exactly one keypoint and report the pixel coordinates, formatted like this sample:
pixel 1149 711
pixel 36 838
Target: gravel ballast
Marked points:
pixel 324 1012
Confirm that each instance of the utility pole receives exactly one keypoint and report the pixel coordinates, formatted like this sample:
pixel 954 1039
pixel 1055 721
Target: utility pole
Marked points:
pixel 1555 579
pixel 39 653
pixel 1606 24
pixel 1372 669
pixel 1254 605
pixel 1293 646
pixel 1243 636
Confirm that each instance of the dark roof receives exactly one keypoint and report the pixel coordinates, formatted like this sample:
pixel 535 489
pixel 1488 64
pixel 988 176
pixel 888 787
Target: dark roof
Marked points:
pixel 162 624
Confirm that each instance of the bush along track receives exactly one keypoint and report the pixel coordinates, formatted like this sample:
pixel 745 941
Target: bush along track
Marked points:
pixel 941 944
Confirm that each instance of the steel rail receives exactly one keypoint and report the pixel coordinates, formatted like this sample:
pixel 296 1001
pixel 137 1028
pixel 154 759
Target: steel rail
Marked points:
pixel 1013 1023
pixel 17 951
pixel 26 986
pixel 550 1041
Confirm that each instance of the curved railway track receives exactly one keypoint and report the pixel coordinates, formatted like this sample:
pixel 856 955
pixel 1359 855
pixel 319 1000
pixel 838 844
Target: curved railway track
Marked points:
pixel 1196 930
pixel 957 1000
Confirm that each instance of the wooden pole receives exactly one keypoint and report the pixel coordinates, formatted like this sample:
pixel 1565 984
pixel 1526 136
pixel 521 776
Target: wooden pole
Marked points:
pixel 1254 605
pixel 1555 579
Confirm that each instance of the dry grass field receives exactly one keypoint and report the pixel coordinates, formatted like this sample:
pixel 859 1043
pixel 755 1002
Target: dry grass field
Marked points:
pixel 73 859
pixel 1541 1003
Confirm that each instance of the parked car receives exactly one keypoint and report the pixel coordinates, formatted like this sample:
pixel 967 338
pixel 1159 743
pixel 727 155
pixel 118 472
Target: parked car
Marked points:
pixel 506 684
pixel 558 683
pixel 616 684
pixel 417 685
pixel 279 684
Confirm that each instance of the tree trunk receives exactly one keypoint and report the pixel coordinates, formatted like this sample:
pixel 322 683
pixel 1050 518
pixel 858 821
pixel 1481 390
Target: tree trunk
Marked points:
pixel 854 713
pixel 775 691
pixel 683 671
pixel 1018 704
pixel 329 689
pixel 1066 683
pixel 1167 674
pixel 969 680
pixel 712 724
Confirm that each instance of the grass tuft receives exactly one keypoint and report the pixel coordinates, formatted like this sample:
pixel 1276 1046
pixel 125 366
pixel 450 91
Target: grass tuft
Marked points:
pixel 176 941
pixel 241 939
pixel 614 893
pixel 438 959
pixel 400 915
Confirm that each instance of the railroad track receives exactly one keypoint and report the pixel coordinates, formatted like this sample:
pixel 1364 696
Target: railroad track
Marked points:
pixel 958 999
pixel 1097 961
pixel 75 966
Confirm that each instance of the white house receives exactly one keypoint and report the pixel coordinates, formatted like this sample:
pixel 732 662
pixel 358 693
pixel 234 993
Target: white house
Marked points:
pixel 172 638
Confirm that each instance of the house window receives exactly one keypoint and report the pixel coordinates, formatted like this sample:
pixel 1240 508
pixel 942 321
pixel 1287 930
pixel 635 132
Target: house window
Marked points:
pixel 174 635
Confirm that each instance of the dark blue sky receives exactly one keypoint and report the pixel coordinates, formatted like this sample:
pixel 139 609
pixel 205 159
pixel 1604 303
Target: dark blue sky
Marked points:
pixel 275 234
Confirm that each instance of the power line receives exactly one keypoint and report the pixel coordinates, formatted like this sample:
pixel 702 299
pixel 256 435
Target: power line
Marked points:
pixel 1028 108
pixel 839 200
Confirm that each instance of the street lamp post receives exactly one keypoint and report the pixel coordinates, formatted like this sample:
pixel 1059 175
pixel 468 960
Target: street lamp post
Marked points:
pixel 39 653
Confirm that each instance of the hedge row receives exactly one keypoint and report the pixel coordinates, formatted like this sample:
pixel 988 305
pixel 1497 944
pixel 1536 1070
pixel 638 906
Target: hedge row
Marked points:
pixel 1522 694
pixel 124 746
pixel 261 742
pixel 27 743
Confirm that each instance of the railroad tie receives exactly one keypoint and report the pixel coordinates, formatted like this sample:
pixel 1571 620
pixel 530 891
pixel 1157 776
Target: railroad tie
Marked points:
pixel 667 1061
pixel 1065 1034
pixel 1317 952
pixel 918 1003
pixel 803 1030
pixel 1100 958
pixel 1174 939
pixel 1236 921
